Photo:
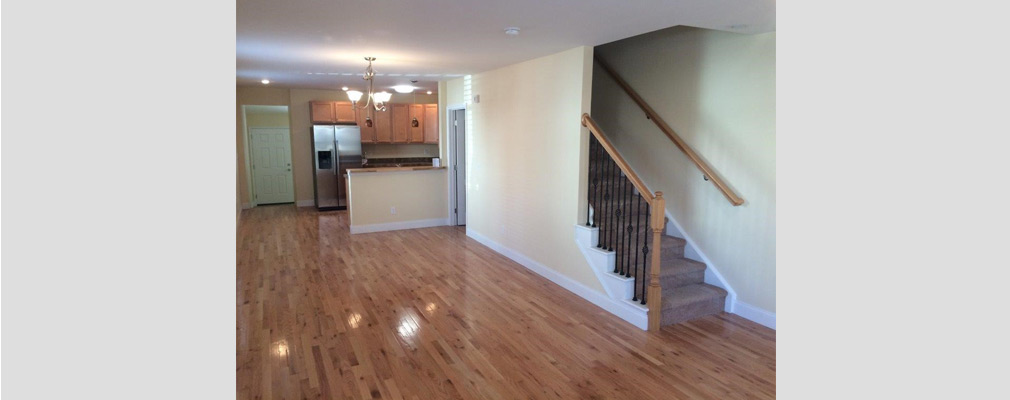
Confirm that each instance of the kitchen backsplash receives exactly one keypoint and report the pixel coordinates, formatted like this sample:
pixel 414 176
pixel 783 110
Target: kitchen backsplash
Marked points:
pixel 372 150
pixel 398 162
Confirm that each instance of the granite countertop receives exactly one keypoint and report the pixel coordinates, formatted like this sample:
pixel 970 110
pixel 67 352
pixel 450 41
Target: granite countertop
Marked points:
pixel 392 169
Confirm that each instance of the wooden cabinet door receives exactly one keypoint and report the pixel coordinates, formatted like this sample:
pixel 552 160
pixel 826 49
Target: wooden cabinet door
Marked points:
pixel 323 112
pixel 367 132
pixel 383 126
pixel 344 112
pixel 401 123
pixel 416 111
pixel 431 132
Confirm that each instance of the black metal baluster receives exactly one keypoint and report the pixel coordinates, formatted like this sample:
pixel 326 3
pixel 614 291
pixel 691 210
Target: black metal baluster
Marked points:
pixel 627 246
pixel 604 209
pixel 627 217
pixel 610 214
pixel 592 183
pixel 619 226
pixel 638 228
pixel 645 250
pixel 598 209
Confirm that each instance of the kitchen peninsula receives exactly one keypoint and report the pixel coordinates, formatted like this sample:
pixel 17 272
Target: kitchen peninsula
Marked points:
pixel 391 198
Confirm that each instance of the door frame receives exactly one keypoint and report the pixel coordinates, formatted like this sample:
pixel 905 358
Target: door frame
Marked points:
pixel 449 149
pixel 246 142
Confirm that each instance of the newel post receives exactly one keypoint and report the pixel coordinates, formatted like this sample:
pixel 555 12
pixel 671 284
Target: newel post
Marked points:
pixel 654 297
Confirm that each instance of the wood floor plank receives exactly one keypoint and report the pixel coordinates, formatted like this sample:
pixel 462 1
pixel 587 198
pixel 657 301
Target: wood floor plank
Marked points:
pixel 432 314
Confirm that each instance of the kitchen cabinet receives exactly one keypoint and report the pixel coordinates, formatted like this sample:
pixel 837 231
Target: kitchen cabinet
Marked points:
pixel 332 112
pixel 344 112
pixel 431 132
pixel 415 112
pixel 383 126
pixel 367 132
pixel 401 122
pixel 323 112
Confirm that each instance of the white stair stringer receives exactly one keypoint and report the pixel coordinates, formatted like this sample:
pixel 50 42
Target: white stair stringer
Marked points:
pixel 618 287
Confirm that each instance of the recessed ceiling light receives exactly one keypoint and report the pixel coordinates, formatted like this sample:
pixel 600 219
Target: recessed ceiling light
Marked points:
pixel 344 88
pixel 512 31
pixel 403 88
pixel 265 81
pixel 429 92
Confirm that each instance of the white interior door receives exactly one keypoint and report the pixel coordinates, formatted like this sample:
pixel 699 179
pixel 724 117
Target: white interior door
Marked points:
pixel 459 163
pixel 271 165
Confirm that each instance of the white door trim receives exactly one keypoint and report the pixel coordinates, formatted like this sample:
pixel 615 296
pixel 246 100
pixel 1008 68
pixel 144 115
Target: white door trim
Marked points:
pixel 251 192
pixel 449 165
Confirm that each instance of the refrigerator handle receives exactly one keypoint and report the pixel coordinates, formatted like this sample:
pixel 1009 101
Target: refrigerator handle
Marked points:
pixel 336 156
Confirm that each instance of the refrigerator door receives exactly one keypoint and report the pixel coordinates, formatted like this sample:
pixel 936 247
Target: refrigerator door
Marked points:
pixel 326 163
pixel 348 143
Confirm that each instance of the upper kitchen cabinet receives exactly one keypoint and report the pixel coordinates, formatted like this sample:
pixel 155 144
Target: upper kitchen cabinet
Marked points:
pixel 323 112
pixel 401 122
pixel 367 132
pixel 431 123
pixel 344 111
pixel 416 120
pixel 383 126
pixel 332 112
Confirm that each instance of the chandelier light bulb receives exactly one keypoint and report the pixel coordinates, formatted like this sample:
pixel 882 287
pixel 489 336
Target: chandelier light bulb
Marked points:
pixel 382 97
pixel 354 95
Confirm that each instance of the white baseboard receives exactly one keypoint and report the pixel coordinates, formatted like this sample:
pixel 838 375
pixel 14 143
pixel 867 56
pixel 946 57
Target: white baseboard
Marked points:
pixel 625 310
pixel 759 315
pixel 246 206
pixel 305 203
pixel 394 226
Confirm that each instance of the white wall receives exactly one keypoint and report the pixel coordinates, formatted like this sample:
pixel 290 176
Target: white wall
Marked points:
pixel 528 148
pixel 717 91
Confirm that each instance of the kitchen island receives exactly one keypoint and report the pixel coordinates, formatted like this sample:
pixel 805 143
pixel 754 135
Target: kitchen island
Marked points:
pixel 391 198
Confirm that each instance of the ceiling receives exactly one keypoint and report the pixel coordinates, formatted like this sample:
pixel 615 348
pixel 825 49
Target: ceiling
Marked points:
pixel 321 44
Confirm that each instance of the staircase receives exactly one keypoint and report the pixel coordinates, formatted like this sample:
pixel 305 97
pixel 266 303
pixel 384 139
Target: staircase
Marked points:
pixel 620 214
pixel 660 288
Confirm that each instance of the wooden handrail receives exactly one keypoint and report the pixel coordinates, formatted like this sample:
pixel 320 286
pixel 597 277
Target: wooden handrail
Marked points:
pixel 588 122
pixel 687 150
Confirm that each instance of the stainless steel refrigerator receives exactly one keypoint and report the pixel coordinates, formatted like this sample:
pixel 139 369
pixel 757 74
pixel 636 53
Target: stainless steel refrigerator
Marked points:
pixel 335 148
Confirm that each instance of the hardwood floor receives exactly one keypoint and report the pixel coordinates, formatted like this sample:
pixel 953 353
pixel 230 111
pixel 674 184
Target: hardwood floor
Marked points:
pixel 431 314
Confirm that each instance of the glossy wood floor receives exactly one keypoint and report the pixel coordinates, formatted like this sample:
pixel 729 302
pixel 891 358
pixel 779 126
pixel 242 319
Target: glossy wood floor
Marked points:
pixel 432 314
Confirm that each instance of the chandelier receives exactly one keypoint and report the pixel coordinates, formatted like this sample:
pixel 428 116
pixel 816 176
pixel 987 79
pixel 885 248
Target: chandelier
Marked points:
pixel 377 100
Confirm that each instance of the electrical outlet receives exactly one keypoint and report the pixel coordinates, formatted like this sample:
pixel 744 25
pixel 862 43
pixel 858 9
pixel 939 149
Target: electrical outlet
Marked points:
pixel 392 210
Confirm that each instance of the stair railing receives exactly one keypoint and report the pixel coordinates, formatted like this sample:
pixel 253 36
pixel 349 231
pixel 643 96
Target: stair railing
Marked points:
pixel 687 150
pixel 628 216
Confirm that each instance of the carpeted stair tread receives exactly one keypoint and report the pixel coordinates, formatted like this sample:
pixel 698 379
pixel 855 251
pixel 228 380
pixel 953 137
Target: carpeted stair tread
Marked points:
pixel 679 272
pixel 692 301
pixel 677 266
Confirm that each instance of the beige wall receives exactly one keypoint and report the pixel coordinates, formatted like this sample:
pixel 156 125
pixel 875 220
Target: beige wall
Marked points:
pixel 450 93
pixel 273 119
pixel 251 95
pixel 717 91
pixel 417 195
pixel 526 191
